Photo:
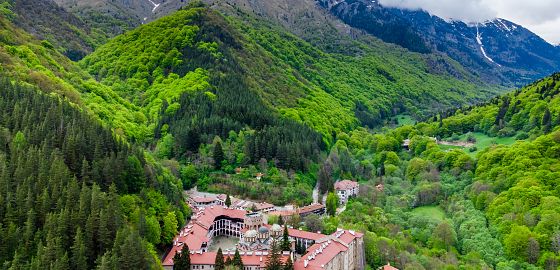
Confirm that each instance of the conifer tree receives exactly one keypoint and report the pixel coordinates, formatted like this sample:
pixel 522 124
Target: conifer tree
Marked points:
pixel 219 264
pixel 286 240
pixel 218 155
pixel 274 259
pixel 182 260
pixel 228 261
pixel 237 261
pixel 547 121
pixel 79 259
pixel 228 201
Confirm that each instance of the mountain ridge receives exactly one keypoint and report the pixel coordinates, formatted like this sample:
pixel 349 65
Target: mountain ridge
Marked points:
pixel 515 56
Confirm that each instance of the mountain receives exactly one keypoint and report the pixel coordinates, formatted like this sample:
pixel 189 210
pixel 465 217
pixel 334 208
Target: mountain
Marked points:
pixel 290 76
pixel 498 50
pixel 46 20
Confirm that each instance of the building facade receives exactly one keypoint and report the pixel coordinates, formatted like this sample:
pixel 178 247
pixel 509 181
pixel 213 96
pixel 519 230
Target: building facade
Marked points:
pixel 346 189
pixel 342 250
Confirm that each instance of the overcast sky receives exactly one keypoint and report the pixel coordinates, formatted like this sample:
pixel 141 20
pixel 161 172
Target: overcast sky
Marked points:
pixel 539 16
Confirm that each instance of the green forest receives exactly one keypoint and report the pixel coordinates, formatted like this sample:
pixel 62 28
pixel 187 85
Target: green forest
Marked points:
pixel 99 141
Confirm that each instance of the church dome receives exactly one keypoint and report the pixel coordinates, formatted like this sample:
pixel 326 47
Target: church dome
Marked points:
pixel 263 230
pixel 251 234
pixel 276 228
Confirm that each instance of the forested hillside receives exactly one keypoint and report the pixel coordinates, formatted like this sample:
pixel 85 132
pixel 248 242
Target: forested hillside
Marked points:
pixel 75 196
pixel 328 92
pixel 95 155
pixel 526 113
pixel 442 208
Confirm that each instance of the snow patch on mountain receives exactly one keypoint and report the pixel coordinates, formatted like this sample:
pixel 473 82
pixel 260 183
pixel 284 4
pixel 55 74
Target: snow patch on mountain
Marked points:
pixel 479 41
pixel 155 5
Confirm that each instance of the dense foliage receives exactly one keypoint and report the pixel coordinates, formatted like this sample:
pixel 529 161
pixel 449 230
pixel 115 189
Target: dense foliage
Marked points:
pixel 526 113
pixel 72 195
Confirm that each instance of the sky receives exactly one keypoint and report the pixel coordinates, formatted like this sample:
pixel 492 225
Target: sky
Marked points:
pixel 539 16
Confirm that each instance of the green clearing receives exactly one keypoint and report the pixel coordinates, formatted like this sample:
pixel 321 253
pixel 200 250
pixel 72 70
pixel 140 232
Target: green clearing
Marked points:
pixel 404 120
pixel 434 212
pixel 483 141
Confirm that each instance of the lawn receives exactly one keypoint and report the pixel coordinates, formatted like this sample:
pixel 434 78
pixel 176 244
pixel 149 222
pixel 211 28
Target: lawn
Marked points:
pixel 405 119
pixel 483 141
pixel 434 212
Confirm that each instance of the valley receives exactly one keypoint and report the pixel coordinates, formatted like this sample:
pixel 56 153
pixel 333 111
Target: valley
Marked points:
pixel 274 135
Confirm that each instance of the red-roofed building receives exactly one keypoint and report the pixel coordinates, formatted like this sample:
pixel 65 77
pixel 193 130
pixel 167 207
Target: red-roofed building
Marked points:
pixel 264 207
pixel 205 260
pixel 315 208
pixel 387 267
pixel 342 250
pixel 346 189
pixel 205 201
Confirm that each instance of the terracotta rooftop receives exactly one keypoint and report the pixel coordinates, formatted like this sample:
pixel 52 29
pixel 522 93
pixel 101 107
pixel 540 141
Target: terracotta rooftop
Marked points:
pixel 196 231
pixel 326 249
pixel 263 206
pixel 310 208
pixel 301 234
pixel 345 185
pixel 388 267
pixel 208 258
pixel 199 199
pixel 282 213
pixel 207 216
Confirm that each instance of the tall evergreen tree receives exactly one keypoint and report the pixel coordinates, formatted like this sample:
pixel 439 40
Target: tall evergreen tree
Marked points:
pixel 79 259
pixel 182 260
pixel 228 261
pixel 237 261
pixel 547 121
pixel 218 155
pixel 286 246
pixel 274 259
pixel 219 263
pixel 228 201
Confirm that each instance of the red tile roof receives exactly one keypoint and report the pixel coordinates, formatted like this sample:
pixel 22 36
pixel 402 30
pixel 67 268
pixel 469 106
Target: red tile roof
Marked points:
pixel 345 185
pixel 208 258
pixel 319 255
pixel 282 213
pixel 326 249
pixel 207 216
pixel 198 199
pixel 301 234
pixel 389 267
pixel 310 208
pixel 195 233
pixel 263 206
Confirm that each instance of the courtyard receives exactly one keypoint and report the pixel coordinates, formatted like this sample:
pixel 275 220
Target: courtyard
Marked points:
pixel 224 242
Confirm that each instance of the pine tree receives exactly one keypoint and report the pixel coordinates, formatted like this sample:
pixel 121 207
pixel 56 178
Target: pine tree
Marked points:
pixel 106 262
pixel 228 261
pixel 228 201
pixel 274 262
pixel 237 261
pixel 218 155
pixel 219 263
pixel 79 259
pixel 286 240
pixel 547 121
pixel 182 260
